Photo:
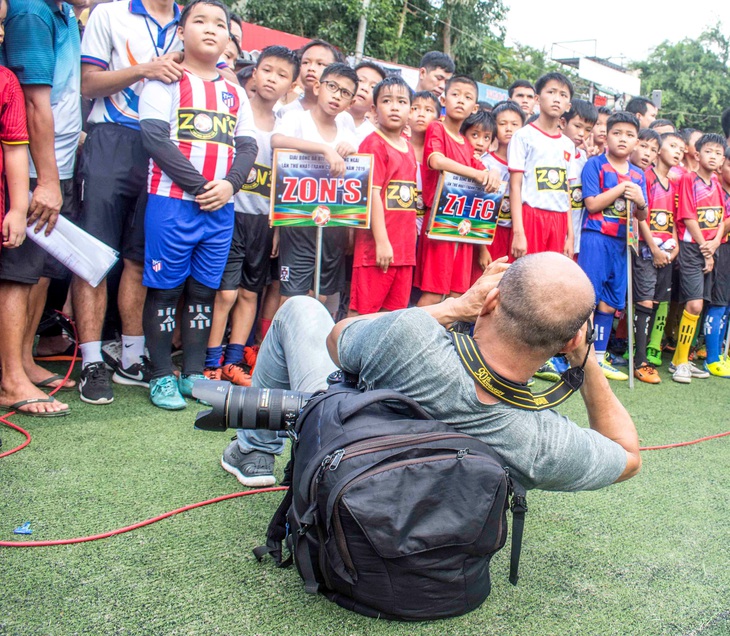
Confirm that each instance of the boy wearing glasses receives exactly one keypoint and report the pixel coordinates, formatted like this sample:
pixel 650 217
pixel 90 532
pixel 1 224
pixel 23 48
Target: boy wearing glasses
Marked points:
pixel 318 131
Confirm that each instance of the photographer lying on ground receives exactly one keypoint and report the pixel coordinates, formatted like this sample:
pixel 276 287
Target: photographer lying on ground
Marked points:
pixel 524 314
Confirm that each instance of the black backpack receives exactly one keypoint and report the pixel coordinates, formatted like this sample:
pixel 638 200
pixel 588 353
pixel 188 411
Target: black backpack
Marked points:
pixel 390 513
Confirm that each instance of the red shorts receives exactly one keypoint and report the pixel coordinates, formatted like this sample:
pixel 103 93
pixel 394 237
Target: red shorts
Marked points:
pixel 545 231
pixel 502 243
pixel 372 290
pixel 443 266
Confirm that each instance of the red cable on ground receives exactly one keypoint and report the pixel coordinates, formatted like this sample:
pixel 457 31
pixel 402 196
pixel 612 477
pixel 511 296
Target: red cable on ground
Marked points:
pixel 694 441
pixel 104 535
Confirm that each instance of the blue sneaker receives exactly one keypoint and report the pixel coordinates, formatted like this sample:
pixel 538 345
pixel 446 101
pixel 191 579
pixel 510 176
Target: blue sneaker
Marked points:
pixel 617 361
pixel 165 394
pixel 560 363
pixel 548 372
pixel 185 383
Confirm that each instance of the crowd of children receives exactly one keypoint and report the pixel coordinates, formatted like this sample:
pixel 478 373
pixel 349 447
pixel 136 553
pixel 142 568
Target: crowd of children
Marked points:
pixel 577 180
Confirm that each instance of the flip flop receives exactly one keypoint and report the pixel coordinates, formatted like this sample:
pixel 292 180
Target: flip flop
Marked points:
pixel 46 384
pixel 19 405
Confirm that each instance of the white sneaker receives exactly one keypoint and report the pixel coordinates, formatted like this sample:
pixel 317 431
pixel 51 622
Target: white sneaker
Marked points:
pixel 697 372
pixel 682 373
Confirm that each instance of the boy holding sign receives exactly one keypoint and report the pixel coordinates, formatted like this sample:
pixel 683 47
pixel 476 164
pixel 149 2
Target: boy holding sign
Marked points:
pixel 385 257
pixel 317 131
pixel 444 268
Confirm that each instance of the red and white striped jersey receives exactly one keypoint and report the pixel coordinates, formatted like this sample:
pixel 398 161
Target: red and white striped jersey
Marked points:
pixel 205 117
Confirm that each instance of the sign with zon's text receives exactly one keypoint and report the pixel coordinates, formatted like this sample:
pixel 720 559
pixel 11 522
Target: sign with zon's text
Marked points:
pixel 304 194
pixel 463 211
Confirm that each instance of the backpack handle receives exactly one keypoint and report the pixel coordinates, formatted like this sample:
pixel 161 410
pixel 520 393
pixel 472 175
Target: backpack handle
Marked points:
pixel 351 407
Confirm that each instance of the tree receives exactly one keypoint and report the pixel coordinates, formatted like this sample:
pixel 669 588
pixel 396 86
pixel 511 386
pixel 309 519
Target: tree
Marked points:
pixel 693 77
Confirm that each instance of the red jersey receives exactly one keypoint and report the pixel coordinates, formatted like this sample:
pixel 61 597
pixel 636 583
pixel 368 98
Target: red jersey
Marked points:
pixel 394 179
pixel 13 124
pixel 440 141
pixel 662 204
pixel 703 202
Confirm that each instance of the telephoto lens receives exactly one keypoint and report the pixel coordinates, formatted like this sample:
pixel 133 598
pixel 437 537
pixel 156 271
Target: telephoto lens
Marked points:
pixel 247 407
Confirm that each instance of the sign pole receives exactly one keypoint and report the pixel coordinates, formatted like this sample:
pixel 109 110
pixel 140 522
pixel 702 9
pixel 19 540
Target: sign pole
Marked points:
pixel 630 240
pixel 318 262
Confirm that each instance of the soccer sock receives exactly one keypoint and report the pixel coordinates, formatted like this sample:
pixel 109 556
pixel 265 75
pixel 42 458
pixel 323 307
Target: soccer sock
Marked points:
pixel 234 354
pixel 657 330
pixel 642 315
pixel 697 331
pixel 197 314
pixel 158 319
pixel 602 322
pixel 213 356
pixel 713 333
pixel 132 350
pixel 265 326
pixel 687 328
pixel 723 328
pixel 90 353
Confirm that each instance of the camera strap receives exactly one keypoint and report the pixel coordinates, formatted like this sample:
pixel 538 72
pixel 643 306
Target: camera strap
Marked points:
pixel 516 393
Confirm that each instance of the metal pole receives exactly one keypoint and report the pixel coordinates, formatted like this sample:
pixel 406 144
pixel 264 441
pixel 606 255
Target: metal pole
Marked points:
pixel 318 262
pixel 630 308
pixel 362 29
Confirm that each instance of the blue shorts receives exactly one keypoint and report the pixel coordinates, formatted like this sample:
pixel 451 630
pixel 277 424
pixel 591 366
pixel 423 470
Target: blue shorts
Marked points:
pixel 182 241
pixel 603 259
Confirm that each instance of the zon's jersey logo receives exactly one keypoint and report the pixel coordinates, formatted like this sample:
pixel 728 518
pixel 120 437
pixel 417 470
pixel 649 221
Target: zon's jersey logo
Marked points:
pixel 576 197
pixel 709 218
pixel 205 125
pixel 551 179
pixel 258 181
pixel 661 221
pixel 400 195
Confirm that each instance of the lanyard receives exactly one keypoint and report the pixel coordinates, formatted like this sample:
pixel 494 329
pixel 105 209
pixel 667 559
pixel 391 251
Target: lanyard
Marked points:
pixel 154 41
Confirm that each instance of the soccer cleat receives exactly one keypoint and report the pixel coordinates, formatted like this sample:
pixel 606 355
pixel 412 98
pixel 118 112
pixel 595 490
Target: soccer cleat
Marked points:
pixel 702 353
pixel 186 382
pixel 617 361
pixel 547 372
pixel 165 394
pixel 647 373
pixel 94 384
pixel 254 469
pixel 654 357
pixel 720 369
pixel 236 374
pixel 212 373
pixel 137 374
pixel 612 373
pixel 682 373
pixel 250 354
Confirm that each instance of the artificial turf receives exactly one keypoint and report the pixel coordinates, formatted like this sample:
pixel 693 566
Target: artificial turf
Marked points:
pixel 649 556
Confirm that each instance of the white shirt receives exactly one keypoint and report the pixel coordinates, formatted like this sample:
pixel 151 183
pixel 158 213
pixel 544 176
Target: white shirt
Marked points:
pixel 299 124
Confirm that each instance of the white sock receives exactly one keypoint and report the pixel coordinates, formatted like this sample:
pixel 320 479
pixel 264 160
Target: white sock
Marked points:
pixel 132 350
pixel 600 356
pixel 90 353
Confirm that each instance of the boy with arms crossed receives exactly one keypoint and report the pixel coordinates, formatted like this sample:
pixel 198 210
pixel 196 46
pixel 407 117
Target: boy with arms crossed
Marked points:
pixel 192 130
pixel 424 109
pixel 444 267
pixel 384 257
pixel 248 265
pixel 541 165
pixel 612 186
pixel 700 224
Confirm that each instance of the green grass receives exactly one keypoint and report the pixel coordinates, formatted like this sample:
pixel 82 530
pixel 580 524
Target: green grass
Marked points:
pixel 649 556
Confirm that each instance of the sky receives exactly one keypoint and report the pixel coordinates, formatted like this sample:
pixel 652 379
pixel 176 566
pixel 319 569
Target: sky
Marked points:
pixel 627 28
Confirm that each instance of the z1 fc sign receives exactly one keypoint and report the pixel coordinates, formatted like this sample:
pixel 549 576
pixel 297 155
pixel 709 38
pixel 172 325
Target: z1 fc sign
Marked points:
pixel 304 193
pixel 463 211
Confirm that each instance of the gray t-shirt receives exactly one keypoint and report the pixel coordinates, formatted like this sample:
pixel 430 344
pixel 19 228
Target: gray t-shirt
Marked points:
pixel 408 351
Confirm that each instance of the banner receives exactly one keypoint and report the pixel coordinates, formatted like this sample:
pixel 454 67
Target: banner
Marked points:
pixel 632 231
pixel 463 211
pixel 305 195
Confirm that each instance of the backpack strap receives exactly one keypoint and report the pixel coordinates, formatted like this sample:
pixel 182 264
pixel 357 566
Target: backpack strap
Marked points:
pixel 518 507
pixel 357 403
pixel 276 534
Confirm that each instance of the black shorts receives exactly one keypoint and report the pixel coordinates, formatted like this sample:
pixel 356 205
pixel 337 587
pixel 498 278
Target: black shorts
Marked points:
pixel 651 283
pixel 296 260
pixel 694 284
pixel 721 277
pixel 114 170
pixel 249 260
pixel 27 263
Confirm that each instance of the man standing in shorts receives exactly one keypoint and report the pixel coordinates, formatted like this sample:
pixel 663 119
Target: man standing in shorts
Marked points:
pixel 125 43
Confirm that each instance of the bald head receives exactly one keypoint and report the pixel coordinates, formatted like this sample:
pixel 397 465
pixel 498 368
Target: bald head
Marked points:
pixel 544 299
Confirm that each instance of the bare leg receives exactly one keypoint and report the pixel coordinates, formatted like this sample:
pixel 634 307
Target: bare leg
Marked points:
pixel 243 316
pixel 131 298
pixel 15 385
pixel 429 298
pixel 224 301
pixel 89 308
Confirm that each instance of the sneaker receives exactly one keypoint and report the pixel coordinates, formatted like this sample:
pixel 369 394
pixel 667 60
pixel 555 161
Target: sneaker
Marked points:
pixel 617 361
pixel 682 373
pixel 137 374
pixel 165 393
pixel 185 384
pixel 111 353
pixel 548 372
pixel 720 369
pixel 696 372
pixel 647 373
pixel 236 374
pixel 94 384
pixel 254 469
pixel 654 357
pixel 212 373
pixel 612 373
